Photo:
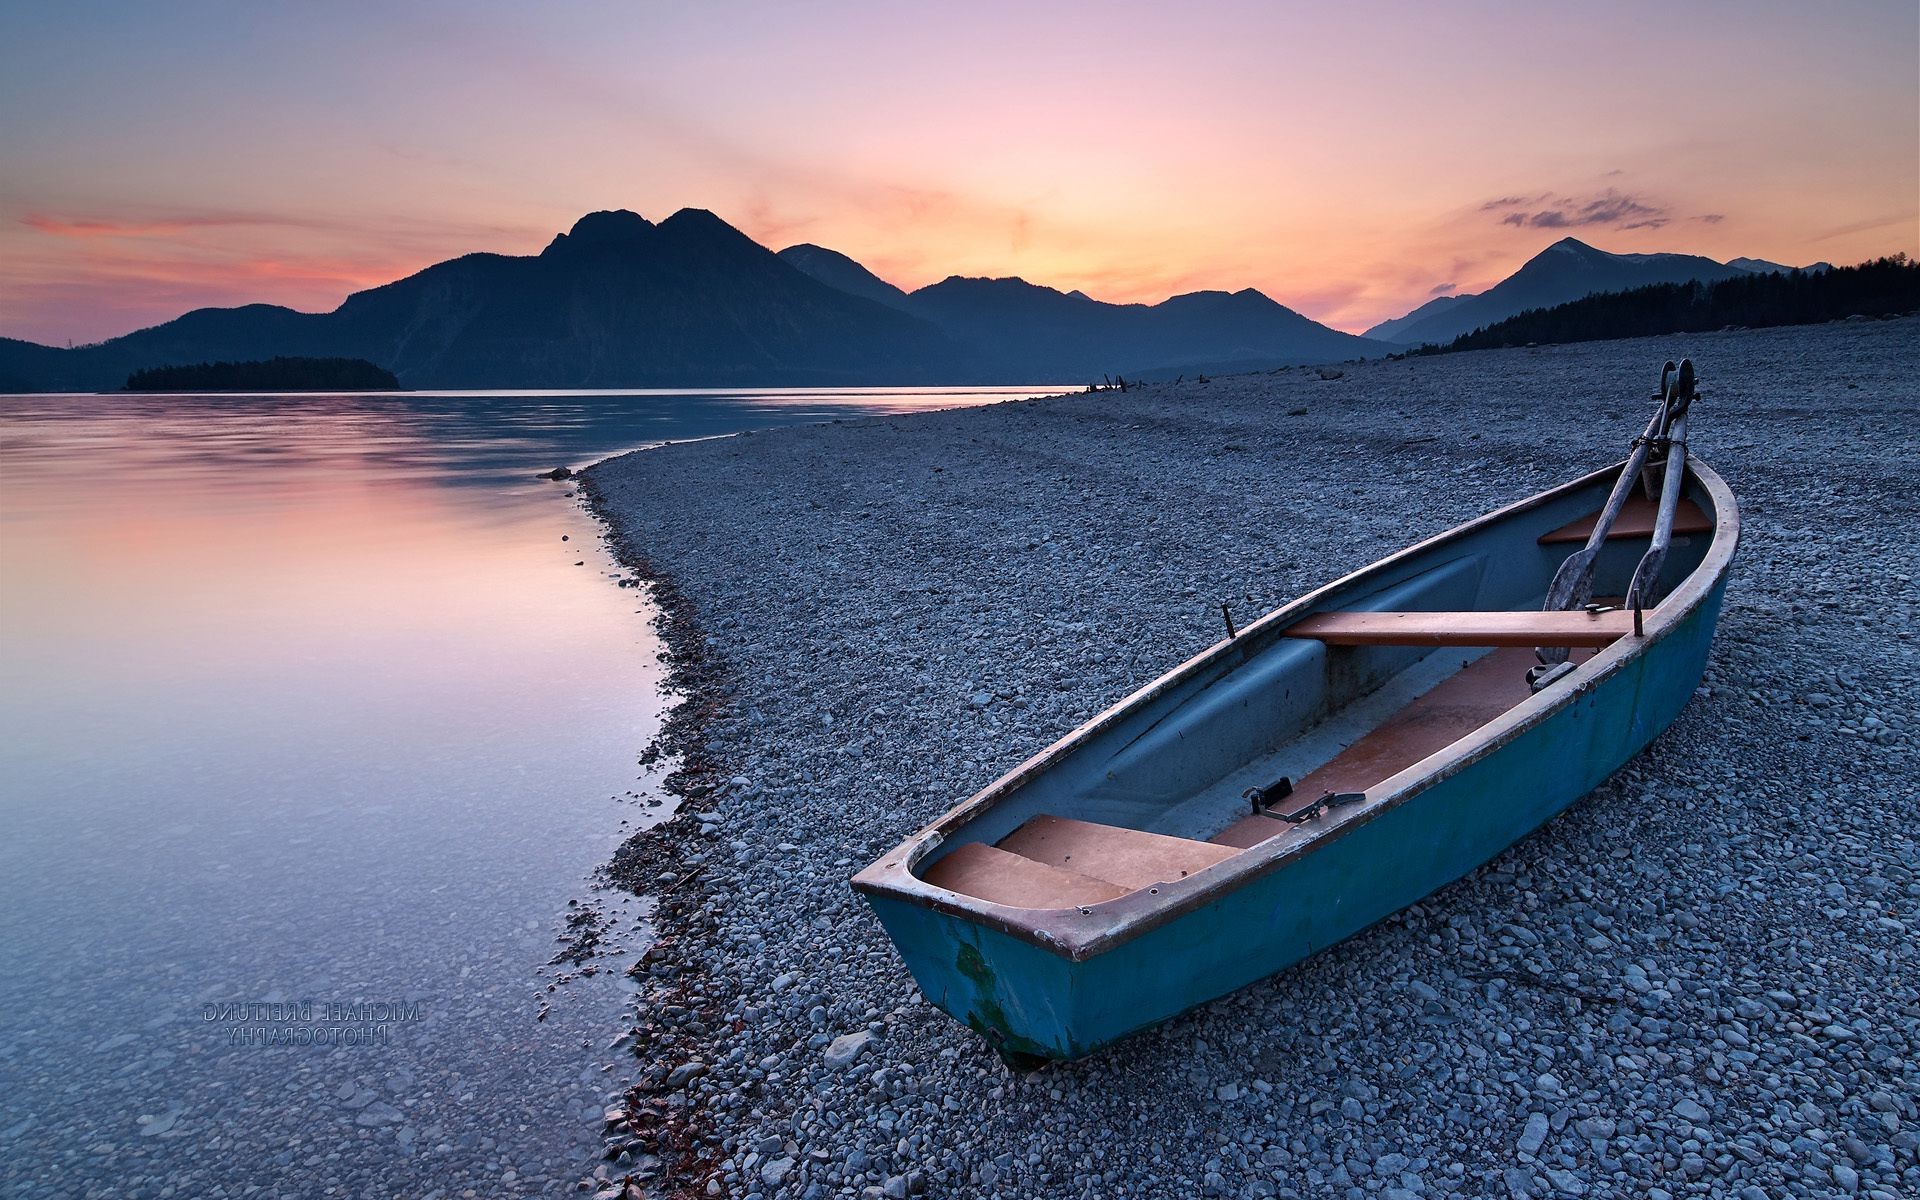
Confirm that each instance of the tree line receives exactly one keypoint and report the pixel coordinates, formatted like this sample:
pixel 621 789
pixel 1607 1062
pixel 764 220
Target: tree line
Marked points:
pixel 1882 287
pixel 269 375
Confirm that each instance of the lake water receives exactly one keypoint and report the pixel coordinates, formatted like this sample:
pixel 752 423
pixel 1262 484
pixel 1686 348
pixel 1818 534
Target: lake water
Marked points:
pixel 315 713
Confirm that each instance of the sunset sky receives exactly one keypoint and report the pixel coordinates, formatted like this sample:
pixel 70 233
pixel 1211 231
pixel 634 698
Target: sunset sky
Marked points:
pixel 1351 160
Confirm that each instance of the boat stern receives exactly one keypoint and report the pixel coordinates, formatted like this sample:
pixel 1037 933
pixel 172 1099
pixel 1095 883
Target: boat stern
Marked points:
pixel 1014 994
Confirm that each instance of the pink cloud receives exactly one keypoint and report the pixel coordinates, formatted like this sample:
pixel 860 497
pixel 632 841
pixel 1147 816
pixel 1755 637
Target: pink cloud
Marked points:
pixel 170 226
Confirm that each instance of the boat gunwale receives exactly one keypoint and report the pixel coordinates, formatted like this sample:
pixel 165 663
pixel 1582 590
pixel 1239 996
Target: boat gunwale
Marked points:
pixel 1086 931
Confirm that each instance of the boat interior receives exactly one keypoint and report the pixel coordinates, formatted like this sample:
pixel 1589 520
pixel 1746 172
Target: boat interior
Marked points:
pixel 1402 662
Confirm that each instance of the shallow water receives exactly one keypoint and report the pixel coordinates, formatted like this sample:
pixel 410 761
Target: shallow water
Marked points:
pixel 317 712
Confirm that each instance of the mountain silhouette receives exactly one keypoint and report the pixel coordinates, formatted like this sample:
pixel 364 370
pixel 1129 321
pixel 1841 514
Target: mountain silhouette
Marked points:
pixel 619 301
pixel 1021 330
pixel 1020 327
pixel 836 270
pixel 1567 270
pixel 1760 266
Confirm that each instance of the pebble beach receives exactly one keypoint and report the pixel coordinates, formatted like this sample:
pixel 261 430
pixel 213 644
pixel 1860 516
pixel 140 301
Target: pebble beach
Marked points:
pixel 1702 980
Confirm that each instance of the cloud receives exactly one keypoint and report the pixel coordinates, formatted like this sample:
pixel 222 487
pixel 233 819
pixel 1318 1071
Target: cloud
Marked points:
pixel 1549 211
pixel 168 226
pixel 1711 218
pixel 99 271
pixel 1443 289
pixel 1905 218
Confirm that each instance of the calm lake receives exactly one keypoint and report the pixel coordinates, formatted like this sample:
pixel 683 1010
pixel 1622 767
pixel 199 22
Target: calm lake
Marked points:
pixel 317 711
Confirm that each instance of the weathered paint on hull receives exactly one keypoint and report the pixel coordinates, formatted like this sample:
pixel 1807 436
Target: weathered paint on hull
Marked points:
pixel 1026 999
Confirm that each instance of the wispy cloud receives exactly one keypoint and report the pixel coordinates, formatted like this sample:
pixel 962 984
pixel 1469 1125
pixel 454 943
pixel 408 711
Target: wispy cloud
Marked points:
pixel 1550 211
pixel 164 226
pixel 139 224
pixel 99 270
pixel 1443 289
pixel 1872 223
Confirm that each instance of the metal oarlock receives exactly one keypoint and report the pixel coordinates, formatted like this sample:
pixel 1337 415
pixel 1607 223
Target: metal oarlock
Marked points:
pixel 1264 798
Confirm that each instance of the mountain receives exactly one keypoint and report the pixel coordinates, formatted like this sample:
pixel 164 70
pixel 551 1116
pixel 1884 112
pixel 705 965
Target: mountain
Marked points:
pixel 1885 288
pixel 1566 270
pixel 1390 331
pixel 617 301
pixel 1761 266
pixel 836 270
pixel 1022 328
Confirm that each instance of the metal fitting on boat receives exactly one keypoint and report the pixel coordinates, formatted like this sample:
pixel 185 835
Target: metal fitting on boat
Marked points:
pixel 1545 676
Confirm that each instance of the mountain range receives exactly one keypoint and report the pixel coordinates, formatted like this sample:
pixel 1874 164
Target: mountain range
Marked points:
pixel 615 301
pixel 1567 270
pixel 619 301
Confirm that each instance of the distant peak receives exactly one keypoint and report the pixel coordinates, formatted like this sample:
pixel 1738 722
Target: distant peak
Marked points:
pixel 698 227
pixel 599 228
pixel 695 218
pixel 609 225
pixel 1004 283
pixel 1572 245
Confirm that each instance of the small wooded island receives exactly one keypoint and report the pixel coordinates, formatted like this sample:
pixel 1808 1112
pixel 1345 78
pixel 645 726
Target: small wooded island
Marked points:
pixel 269 375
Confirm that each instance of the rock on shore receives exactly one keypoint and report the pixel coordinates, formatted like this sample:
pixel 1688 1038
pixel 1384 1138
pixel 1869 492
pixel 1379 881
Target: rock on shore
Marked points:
pixel 1702 980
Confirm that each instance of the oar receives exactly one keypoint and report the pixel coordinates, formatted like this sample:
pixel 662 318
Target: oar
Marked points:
pixel 1572 584
pixel 1646 577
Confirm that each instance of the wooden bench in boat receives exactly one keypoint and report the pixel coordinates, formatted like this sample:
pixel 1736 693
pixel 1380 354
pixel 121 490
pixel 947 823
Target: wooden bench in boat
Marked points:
pixel 1635 520
pixel 1058 862
pixel 990 873
pixel 1129 858
pixel 1575 628
pixel 1456 707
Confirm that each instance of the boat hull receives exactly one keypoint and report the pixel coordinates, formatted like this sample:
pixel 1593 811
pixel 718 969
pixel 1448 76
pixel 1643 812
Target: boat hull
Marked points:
pixel 1060 984
pixel 1029 1000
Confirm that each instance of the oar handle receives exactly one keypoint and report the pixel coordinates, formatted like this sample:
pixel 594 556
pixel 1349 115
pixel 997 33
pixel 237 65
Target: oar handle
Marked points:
pixel 1646 576
pixel 1573 583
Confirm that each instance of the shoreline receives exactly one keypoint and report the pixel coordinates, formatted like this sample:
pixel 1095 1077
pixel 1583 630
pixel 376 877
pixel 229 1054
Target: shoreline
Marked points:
pixel 867 619
pixel 661 862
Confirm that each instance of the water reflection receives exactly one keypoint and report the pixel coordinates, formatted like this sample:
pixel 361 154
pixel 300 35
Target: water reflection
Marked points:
pixel 305 698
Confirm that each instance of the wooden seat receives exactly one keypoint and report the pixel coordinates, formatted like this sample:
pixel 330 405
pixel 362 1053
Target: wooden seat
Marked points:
pixel 1450 711
pixel 1128 858
pixel 989 873
pixel 1635 520
pixel 1576 628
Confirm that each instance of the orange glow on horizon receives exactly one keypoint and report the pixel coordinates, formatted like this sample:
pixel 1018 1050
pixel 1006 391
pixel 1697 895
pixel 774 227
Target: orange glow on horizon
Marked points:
pixel 1351 162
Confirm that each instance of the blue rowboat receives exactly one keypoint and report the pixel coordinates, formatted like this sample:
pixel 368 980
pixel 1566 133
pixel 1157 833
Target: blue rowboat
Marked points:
pixel 1340 758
